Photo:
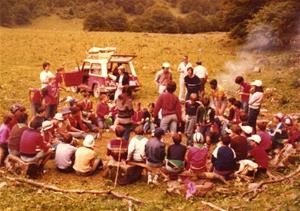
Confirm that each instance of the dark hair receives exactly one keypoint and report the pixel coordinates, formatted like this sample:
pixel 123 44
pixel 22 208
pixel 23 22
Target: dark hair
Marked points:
pixel 262 126
pixel 176 138
pixel 258 89
pixel 226 139
pixel 120 130
pixel 7 119
pixel 198 63
pixel 205 101
pixel 238 104
pixel 139 130
pixel 74 109
pixel 244 117
pixel 22 118
pixel 239 80
pixel 232 100
pixel 213 82
pixel 36 123
pixel 236 129
pixel 68 138
pixel 40 109
pixel 151 105
pixel 45 64
pixel 44 91
pixel 190 68
pixel 171 87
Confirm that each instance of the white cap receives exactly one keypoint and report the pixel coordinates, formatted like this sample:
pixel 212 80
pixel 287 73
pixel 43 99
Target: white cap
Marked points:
pixel 247 129
pixel 46 125
pixel 166 65
pixel 89 141
pixel 59 117
pixel 257 83
pixel 255 138
pixel 279 115
pixel 198 138
pixel 288 121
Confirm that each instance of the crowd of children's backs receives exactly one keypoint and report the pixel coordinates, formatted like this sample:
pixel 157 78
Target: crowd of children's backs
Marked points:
pixel 222 133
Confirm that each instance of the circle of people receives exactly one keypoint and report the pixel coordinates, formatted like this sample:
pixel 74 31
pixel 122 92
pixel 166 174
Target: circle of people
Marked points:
pixel 222 132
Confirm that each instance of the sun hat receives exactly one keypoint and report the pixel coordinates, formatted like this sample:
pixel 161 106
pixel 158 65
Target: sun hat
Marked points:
pixel 257 83
pixel 198 138
pixel 89 141
pixel 159 132
pixel 46 125
pixel 247 129
pixel 59 117
pixel 65 111
pixel 166 65
pixel 255 138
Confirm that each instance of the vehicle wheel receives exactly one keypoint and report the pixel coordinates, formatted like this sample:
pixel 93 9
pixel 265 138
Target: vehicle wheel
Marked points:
pixel 74 89
pixel 96 91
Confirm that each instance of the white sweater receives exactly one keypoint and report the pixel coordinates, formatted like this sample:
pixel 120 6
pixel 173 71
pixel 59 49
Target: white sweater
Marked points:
pixel 255 100
pixel 136 148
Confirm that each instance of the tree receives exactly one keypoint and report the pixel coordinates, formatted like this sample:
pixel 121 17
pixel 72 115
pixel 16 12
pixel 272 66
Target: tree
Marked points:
pixel 95 22
pixel 117 21
pixel 5 14
pixel 22 15
pixel 274 25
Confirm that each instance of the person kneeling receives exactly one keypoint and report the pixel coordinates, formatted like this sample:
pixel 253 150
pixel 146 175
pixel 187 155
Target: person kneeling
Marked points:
pixel 86 160
pixel 65 154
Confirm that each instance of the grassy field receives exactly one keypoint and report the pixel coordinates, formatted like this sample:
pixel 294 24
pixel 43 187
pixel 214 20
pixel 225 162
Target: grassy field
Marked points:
pixel 23 50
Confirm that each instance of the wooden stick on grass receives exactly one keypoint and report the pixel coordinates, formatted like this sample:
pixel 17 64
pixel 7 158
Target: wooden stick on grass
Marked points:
pixel 78 191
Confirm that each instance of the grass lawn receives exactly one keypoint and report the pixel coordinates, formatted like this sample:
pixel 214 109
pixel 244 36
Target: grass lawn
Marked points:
pixel 23 50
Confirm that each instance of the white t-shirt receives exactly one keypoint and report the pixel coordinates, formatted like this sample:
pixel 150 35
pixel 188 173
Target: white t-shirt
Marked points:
pixel 63 155
pixel 255 100
pixel 44 77
pixel 200 71
pixel 136 148
pixel 182 68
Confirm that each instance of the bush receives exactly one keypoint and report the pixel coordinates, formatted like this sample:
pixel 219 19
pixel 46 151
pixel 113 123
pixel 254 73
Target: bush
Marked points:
pixel 95 22
pixel 22 15
pixel 117 21
pixel 194 22
pixel 158 19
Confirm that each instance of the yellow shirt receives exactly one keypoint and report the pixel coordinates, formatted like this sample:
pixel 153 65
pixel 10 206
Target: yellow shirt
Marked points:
pixel 218 92
pixel 83 158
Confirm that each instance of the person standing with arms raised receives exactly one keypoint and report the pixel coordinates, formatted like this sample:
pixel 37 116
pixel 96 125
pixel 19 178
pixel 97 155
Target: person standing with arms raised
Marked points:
pixel 182 69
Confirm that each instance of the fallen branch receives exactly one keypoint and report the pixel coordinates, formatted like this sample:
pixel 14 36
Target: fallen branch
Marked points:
pixel 211 205
pixel 78 191
pixel 259 187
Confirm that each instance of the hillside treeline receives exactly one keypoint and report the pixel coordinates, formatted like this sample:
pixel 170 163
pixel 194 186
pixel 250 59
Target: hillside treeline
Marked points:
pixel 276 20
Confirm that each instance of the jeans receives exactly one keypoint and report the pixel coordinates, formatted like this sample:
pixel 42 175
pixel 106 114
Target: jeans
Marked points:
pixel 190 126
pixel 169 121
pixel 245 106
pixel 51 111
pixel 252 117
pixel 128 129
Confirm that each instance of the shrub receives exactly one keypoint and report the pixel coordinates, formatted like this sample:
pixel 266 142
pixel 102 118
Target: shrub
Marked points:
pixel 117 21
pixel 95 22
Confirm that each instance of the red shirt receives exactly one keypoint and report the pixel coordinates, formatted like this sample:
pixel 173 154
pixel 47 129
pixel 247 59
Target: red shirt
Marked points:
pixel 117 146
pixel 245 89
pixel 37 97
pixel 102 110
pixel 266 140
pixel 169 104
pixel 137 116
pixel 196 158
pixel 30 141
pixel 51 98
pixel 260 156
pixel 86 105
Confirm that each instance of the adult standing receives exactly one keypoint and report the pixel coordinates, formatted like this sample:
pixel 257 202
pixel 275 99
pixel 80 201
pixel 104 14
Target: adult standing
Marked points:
pixel 192 83
pixel 218 96
pixel 45 74
pixel 170 107
pixel 255 101
pixel 163 77
pixel 243 91
pixel 182 69
pixel 125 112
pixel 122 81
pixel 202 73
